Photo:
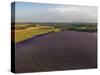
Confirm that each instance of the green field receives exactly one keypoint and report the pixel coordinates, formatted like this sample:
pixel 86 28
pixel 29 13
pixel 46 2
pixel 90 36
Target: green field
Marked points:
pixel 23 32
pixel 84 27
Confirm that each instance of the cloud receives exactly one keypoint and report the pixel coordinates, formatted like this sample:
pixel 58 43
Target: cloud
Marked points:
pixel 74 9
pixel 63 9
pixel 74 13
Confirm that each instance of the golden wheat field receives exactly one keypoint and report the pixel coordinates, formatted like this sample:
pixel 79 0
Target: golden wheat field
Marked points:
pixel 23 32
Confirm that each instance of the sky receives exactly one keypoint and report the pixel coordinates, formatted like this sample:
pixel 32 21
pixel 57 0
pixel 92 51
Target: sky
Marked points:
pixel 42 12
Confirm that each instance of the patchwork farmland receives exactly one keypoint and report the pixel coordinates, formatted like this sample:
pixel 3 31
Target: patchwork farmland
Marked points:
pixel 55 46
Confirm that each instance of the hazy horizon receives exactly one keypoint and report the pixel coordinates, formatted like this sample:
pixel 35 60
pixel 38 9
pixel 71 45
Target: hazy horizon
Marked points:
pixel 43 12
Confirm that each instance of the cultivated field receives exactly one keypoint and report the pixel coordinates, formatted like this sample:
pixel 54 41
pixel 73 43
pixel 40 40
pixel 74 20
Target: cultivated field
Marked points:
pixel 69 46
pixel 63 50
pixel 23 32
pixel 27 30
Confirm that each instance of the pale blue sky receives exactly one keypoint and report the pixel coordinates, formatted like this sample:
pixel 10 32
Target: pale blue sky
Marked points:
pixel 42 12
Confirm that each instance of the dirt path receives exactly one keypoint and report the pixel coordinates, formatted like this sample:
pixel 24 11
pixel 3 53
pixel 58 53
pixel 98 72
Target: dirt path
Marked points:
pixel 57 51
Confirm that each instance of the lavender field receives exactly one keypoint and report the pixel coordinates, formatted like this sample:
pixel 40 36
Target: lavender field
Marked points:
pixel 57 51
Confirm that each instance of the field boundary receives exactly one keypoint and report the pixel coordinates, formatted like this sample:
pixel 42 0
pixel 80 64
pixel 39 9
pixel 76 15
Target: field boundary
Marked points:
pixel 35 36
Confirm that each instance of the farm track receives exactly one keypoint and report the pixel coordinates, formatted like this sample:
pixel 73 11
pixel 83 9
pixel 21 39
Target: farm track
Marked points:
pixel 57 51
